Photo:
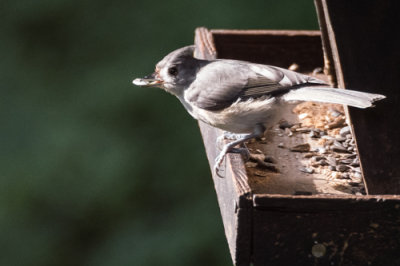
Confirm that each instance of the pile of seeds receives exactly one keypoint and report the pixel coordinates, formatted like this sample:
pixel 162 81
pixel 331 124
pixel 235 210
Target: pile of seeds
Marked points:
pixel 328 148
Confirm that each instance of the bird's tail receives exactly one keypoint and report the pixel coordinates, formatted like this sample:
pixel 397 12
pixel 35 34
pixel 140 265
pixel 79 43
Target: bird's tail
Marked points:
pixel 332 95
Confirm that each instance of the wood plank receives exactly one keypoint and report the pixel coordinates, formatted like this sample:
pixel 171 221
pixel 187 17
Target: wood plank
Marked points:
pixel 350 231
pixel 365 43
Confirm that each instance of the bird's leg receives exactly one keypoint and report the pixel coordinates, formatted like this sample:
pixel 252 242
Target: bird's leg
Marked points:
pixel 228 136
pixel 258 132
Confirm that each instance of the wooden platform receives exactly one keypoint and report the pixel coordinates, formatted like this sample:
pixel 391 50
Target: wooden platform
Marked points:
pixel 270 223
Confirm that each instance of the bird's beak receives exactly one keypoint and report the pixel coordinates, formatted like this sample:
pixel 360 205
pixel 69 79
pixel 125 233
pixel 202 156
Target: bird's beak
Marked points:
pixel 148 81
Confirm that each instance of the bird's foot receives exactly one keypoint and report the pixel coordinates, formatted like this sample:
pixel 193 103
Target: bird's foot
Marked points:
pixel 239 140
pixel 228 136
pixel 219 159
pixel 222 155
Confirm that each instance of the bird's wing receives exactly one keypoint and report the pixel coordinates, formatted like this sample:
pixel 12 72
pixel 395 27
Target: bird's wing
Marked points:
pixel 223 82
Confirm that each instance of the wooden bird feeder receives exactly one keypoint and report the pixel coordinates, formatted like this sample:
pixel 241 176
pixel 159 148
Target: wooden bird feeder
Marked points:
pixel 285 218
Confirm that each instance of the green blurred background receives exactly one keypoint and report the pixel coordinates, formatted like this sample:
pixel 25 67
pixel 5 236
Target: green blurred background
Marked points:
pixel 95 171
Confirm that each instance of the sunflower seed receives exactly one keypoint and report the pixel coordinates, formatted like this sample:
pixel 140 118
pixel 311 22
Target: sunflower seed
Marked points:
pixel 355 162
pixel 314 134
pixel 305 147
pixel 285 124
pixel 332 168
pixel 342 168
pixel 344 131
pixel 339 149
pixel 323 163
pixel 306 170
pixel 331 161
pixel 346 161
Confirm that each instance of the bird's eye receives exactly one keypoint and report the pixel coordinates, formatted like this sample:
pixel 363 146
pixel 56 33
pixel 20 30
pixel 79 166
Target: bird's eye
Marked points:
pixel 173 71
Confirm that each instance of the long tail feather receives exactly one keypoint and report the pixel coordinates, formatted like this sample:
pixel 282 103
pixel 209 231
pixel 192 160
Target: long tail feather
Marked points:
pixel 332 95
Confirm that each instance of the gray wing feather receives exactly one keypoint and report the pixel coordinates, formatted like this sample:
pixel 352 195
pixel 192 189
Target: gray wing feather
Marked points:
pixel 223 82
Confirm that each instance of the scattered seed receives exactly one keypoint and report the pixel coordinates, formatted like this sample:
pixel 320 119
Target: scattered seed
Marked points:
pixel 303 130
pixel 251 164
pixel 355 162
pixel 305 147
pixel 329 142
pixel 269 159
pixel 333 149
pixel 350 156
pixel 335 113
pixel 323 163
pixel 315 164
pixel 338 144
pixel 331 161
pixel 357 175
pixel 345 176
pixel 328 119
pixel 314 134
pixel 342 168
pixel 302 116
pixel 294 127
pixel 347 161
pixel 308 155
pixel 357 169
pixel 335 124
pixel 269 166
pixel 351 148
pixel 340 139
pixel 256 157
pixel 288 132
pixel 285 124
pixel 306 170
pixel 336 175
pixel 261 173
pixel 317 158
pixel 340 149
pixel 345 131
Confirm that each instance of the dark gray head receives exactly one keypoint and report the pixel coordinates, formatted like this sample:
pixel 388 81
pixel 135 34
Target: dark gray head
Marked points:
pixel 175 72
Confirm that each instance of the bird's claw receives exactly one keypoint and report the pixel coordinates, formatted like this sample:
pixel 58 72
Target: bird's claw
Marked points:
pixel 222 155
pixel 228 136
pixel 219 159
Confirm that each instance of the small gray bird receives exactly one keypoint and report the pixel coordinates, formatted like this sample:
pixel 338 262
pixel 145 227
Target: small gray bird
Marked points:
pixel 241 97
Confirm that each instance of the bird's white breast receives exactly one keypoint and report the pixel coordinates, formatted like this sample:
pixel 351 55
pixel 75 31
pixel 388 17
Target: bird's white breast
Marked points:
pixel 241 116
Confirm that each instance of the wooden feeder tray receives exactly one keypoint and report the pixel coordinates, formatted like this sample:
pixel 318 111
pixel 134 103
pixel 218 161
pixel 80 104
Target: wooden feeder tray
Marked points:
pixel 294 217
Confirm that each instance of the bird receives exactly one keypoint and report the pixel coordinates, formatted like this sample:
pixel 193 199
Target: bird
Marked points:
pixel 242 98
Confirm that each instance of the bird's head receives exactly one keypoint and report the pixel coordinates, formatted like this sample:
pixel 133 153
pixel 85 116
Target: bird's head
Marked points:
pixel 174 73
